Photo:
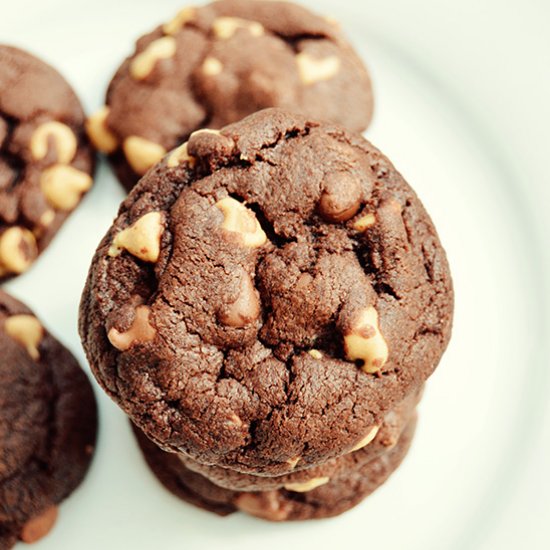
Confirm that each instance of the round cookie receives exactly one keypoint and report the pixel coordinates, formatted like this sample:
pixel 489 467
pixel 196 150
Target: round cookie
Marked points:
pixel 214 65
pixel 324 498
pixel 46 160
pixel 48 424
pixel 376 443
pixel 268 292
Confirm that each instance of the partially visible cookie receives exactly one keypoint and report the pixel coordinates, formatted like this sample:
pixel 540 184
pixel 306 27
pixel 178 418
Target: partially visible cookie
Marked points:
pixel 321 498
pixel 46 159
pixel 213 65
pixel 379 440
pixel 48 424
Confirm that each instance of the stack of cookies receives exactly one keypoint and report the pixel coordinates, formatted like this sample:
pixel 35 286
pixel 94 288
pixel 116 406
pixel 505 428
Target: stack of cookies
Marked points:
pixel 272 295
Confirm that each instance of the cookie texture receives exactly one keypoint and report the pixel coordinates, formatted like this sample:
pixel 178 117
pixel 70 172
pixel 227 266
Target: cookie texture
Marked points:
pixel 377 442
pixel 48 423
pixel 324 497
pixel 214 65
pixel 46 159
pixel 267 293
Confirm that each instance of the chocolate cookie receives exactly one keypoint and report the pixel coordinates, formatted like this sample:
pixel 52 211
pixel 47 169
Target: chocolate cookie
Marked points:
pixel 266 295
pixel 48 423
pixel 214 65
pixel 377 442
pixel 46 160
pixel 321 498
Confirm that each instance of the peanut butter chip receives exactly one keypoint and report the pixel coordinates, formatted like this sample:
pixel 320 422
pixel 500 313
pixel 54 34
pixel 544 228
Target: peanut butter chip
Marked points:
pixel 179 156
pixel 38 527
pixel 143 63
pixel 47 218
pixel 63 186
pixel 293 461
pixel 98 131
pixel 313 70
pixel 245 309
pixel 141 239
pixel 18 250
pixel 315 353
pixel 212 66
pixel 142 153
pixel 241 221
pixel 306 486
pixel 226 27
pixel 364 222
pixel 180 19
pixel 140 331
pixel 62 138
pixel 27 331
pixel 366 440
pixel 365 342
pixel 205 131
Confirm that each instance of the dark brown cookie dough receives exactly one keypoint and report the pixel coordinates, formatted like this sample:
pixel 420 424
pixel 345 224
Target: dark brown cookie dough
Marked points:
pixel 48 423
pixel 267 294
pixel 46 160
pixel 214 65
pixel 323 498
pixel 377 442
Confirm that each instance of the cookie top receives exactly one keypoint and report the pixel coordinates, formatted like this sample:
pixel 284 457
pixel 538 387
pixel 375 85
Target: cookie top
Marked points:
pixel 46 160
pixel 266 295
pixel 214 65
pixel 48 422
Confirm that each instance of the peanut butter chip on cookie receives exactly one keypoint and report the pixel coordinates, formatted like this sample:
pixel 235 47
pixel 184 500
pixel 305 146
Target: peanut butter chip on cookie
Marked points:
pixel 184 16
pixel 57 134
pixel 27 331
pixel 141 239
pixel 365 342
pixel 18 250
pixel 38 527
pixel 306 486
pixel 140 331
pixel 226 27
pixel 313 70
pixel 63 186
pixel 241 222
pixel 212 66
pixel 143 63
pixel 293 461
pixel 364 222
pixel 99 133
pixel 366 440
pixel 141 153
pixel 181 155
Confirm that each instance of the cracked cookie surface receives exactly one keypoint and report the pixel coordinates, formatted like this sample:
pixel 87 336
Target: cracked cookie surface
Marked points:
pixel 325 497
pixel 46 160
pixel 214 65
pixel 267 293
pixel 48 423
pixel 379 440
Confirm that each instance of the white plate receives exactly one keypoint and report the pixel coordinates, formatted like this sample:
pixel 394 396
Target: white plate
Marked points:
pixel 482 413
